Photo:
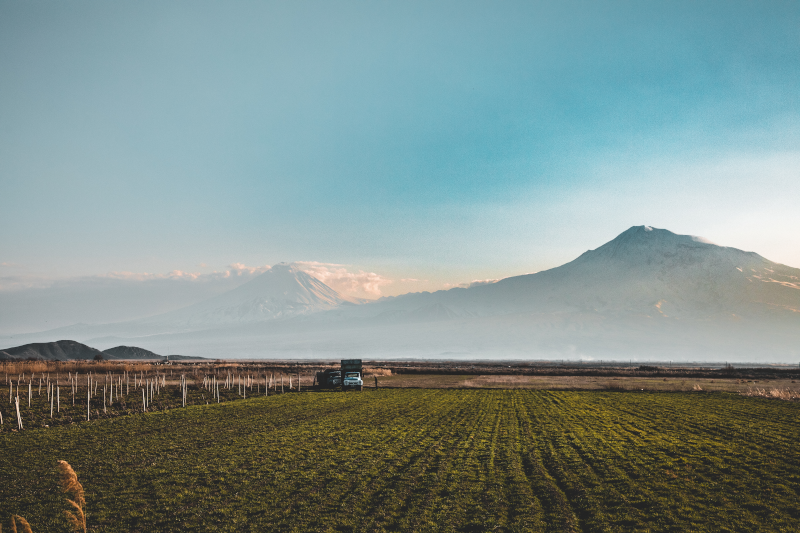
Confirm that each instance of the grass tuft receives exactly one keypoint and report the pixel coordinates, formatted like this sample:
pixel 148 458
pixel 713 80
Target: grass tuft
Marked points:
pixel 781 394
pixel 26 527
pixel 74 490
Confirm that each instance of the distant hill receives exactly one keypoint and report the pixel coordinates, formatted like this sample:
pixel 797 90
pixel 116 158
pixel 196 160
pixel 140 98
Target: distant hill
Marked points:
pixel 130 352
pixel 66 350
pixel 52 351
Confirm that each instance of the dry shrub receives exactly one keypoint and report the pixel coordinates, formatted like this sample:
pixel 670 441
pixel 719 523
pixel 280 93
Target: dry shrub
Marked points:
pixel 371 371
pixel 697 387
pixel 74 490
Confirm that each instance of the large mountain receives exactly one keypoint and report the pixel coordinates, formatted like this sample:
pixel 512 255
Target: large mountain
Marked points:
pixel 644 271
pixel 647 294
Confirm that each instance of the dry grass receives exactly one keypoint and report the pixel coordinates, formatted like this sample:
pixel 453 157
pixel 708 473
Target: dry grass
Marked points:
pixel 622 383
pixel 781 394
pixel 373 371
pixel 73 488
pixel 510 382
pixel 53 367
pixel 75 497
pixel 26 527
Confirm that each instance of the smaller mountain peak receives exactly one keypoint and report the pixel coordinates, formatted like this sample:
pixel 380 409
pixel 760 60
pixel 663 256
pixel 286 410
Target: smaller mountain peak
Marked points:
pixel 633 230
pixel 283 270
pixel 649 232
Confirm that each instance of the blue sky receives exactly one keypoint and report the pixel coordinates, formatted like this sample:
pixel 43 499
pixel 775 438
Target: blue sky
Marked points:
pixel 433 141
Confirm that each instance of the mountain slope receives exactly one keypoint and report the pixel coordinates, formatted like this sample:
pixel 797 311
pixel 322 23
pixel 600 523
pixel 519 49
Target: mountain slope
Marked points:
pixel 643 271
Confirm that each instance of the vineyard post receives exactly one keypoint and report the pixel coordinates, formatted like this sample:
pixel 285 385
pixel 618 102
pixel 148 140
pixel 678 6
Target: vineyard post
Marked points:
pixel 281 384
pixel 88 401
pixel 19 418
pixel 51 406
pixel 376 382
pixel 58 399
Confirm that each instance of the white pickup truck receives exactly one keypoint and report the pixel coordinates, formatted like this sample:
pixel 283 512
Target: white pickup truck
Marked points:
pixel 352 380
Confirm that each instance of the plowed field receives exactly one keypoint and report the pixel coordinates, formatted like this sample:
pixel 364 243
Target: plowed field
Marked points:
pixel 423 460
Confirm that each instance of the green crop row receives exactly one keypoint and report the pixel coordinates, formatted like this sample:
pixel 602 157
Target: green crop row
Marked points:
pixel 423 460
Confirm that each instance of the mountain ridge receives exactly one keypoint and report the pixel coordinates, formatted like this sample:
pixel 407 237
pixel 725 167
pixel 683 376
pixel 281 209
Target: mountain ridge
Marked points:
pixel 62 350
pixel 647 291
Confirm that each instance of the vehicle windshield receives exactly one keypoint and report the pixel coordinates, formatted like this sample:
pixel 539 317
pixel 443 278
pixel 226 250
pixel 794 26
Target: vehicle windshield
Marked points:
pixel 351 375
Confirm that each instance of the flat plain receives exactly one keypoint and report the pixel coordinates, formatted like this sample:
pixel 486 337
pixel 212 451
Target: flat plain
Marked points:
pixel 423 460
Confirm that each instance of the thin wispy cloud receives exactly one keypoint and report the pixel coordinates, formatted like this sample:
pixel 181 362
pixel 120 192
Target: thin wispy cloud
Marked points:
pixel 470 284
pixel 235 271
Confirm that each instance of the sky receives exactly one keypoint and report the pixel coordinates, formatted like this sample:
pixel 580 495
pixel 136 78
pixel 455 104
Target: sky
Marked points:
pixel 386 146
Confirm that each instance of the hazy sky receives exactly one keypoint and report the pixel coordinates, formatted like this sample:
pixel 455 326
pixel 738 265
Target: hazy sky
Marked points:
pixel 434 141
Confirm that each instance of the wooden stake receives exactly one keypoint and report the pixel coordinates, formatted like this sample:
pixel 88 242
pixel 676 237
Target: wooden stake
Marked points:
pixel 19 417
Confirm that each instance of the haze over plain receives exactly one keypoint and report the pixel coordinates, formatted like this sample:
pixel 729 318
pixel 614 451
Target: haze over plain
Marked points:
pixel 154 156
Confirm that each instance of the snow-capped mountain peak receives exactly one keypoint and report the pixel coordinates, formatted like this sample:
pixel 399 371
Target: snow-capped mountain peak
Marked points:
pixel 283 291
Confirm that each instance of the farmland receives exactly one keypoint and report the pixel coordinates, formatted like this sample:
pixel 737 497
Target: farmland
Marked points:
pixel 422 460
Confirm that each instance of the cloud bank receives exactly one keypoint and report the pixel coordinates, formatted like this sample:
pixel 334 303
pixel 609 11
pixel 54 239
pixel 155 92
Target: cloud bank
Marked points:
pixel 355 284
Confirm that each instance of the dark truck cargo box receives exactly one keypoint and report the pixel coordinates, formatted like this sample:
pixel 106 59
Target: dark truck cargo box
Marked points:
pixel 351 365
pixel 329 378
